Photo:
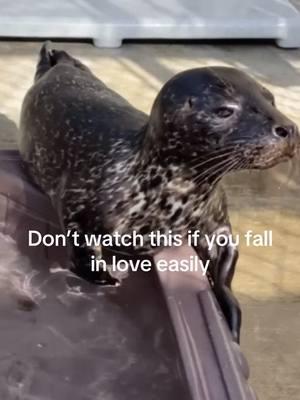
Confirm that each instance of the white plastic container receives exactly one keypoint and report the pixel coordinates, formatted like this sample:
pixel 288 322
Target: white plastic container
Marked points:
pixel 108 22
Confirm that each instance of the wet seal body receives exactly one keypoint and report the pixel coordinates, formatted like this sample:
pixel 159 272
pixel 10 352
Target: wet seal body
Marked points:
pixel 111 168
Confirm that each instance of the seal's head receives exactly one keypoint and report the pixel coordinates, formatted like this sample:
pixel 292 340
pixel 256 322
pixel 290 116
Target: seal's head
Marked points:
pixel 220 115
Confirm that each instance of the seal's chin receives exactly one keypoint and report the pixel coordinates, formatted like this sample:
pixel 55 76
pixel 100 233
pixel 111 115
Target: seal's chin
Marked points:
pixel 272 153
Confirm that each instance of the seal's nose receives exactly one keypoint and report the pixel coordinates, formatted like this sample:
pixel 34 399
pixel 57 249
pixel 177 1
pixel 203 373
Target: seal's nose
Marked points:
pixel 290 134
pixel 286 131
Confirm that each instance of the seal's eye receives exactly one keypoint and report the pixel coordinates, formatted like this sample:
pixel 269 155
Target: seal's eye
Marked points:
pixel 224 112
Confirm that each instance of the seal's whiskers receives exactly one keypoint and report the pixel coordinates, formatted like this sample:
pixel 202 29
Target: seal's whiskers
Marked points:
pixel 235 165
pixel 219 154
pixel 208 173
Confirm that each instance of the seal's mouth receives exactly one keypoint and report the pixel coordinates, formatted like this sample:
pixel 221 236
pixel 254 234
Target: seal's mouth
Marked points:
pixel 272 162
pixel 275 154
pixel 276 147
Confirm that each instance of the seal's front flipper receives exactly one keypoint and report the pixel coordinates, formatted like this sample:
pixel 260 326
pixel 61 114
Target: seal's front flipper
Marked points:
pixel 80 257
pixel 82 266
pixel 223 261
pixel 222 278
pixel 86 261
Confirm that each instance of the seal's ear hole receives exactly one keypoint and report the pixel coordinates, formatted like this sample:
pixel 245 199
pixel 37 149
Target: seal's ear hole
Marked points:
pixel 254 110
pixel 190 102
pixel 271 99
pixel 224 112
pixel 269 96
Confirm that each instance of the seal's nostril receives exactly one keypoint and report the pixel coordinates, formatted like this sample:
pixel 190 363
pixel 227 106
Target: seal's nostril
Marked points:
pixel 283 131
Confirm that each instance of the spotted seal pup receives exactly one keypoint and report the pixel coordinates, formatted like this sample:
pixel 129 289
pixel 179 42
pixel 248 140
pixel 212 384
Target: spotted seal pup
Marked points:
pixel 111 168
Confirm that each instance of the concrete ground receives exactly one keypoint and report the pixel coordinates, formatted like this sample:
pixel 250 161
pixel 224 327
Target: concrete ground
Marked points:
pixel 268 278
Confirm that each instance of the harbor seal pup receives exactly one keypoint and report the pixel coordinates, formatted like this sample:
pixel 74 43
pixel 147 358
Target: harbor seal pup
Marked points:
pixel 111 168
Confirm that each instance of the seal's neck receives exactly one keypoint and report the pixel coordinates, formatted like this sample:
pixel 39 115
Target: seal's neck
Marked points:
pixel 174 157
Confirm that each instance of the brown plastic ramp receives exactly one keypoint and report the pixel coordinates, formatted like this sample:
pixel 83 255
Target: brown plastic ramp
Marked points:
pixel 160 336
pixel 214 364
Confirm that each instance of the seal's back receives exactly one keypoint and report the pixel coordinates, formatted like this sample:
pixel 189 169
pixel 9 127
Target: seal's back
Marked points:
pixel 69 108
